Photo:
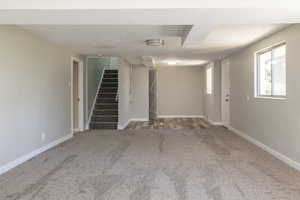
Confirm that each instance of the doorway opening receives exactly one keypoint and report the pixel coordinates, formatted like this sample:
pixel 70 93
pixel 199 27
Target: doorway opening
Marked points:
pixel 77 120
pixel 152 94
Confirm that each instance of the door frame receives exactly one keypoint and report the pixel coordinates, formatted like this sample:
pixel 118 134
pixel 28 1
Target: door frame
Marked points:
pixel 81 94
pixel 225 122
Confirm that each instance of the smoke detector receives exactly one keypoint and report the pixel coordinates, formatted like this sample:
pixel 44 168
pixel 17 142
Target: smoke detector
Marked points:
pixel 155 42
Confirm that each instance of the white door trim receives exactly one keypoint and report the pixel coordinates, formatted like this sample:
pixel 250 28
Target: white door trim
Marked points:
pixel 86 90
pixel 81 90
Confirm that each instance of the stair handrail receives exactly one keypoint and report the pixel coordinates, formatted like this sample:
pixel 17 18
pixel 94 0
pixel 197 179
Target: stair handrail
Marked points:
pixel 95 99
pixel 117 96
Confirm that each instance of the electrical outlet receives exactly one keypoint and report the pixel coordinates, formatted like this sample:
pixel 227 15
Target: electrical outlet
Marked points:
pixel 43 137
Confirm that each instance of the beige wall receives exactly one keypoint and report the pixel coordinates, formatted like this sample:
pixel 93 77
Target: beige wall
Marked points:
pixel 140 96
pixel 275 123
pixel 133 93
pixel 35 95
pixel 124 95
pixel 180 91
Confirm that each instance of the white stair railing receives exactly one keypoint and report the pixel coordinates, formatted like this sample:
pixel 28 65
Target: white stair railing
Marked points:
pixel 95 99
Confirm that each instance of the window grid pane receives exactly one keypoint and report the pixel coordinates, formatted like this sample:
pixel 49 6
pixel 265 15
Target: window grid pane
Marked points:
pixel 265 71
pixel 209 80
pixel 271 72
pixel 278 71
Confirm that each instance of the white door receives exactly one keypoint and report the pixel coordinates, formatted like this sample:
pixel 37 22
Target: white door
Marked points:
pixel 225 93
pixel 77 95
pixel 76 98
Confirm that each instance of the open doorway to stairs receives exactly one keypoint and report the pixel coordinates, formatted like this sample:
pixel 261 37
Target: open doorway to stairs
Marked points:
pixel 77 120
pixel 152 94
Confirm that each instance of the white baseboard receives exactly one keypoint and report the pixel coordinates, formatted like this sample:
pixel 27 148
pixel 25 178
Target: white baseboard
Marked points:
pixel 123 126
pixel 268 149
pixel 218 123
pixel 180 116
pixel 139 120
pixel 34 153
pixel 215 123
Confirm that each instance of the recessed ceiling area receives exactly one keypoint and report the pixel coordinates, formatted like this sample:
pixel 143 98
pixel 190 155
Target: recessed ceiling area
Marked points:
pixel 183 44
pixel 94 39
pixel 236 36
pixel 133 4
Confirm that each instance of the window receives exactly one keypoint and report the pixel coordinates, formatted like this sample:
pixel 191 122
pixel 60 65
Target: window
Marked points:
pixel 209 80
pixel 271 72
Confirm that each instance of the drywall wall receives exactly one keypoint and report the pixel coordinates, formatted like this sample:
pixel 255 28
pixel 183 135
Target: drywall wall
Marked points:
pixel 133 93
pixel 212 102
pixel 35 93
pixel 124 93
pixel 140 93
pixel 275 123
pixel 180 91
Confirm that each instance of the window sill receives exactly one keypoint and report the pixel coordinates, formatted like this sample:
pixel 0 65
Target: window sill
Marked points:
pixel 271 98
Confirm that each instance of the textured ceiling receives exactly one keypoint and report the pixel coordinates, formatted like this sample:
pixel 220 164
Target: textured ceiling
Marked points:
pixel 137 4
pixel 128 40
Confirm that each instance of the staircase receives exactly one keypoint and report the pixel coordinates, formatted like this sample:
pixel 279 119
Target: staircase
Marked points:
pixel 105 114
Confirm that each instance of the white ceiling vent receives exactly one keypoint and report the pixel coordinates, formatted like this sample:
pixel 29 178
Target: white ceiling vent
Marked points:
pixel 155 42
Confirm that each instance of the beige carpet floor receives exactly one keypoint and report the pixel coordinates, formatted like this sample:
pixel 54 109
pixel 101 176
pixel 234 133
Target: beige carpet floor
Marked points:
pixel 200 164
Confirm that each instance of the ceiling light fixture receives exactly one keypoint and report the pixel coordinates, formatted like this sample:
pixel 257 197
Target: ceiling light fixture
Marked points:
pixel 155 42
pixel 172 62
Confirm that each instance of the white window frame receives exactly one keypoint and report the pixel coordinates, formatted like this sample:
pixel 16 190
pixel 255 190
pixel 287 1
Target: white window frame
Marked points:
pixel 256 71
